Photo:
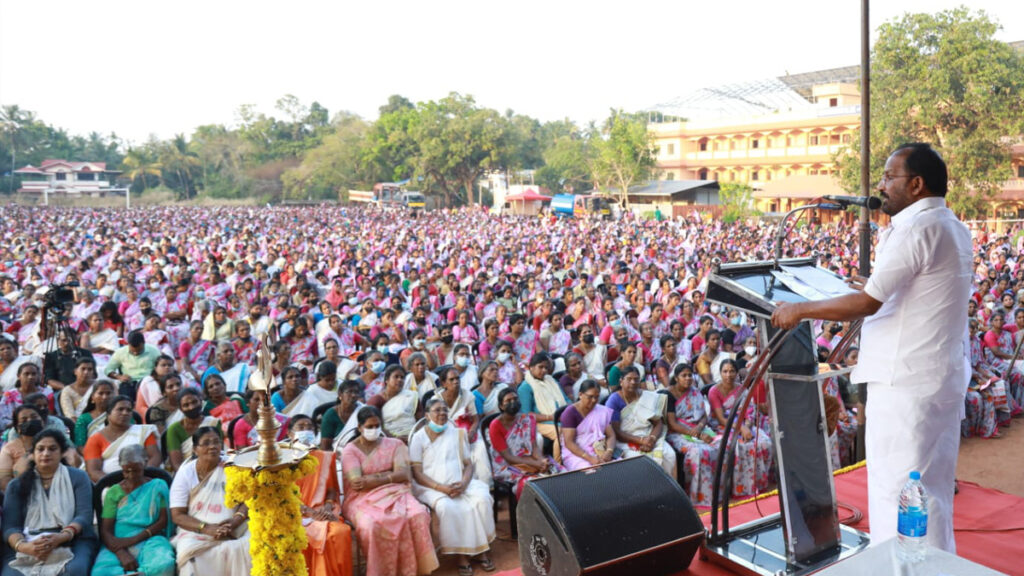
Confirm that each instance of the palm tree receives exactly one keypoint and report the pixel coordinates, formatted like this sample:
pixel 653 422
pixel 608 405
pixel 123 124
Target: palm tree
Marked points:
pixel 139 164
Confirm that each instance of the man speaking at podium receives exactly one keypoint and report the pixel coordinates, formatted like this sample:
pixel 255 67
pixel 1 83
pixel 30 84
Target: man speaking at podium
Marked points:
pixel 914 347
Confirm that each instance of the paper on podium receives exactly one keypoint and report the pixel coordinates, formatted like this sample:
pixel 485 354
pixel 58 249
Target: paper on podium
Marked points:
pixel 812 283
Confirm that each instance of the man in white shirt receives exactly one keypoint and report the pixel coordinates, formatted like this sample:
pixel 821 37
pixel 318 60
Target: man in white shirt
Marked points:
pixel 914 352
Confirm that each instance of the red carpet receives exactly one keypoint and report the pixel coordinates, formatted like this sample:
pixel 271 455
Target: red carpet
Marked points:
pixel 989 524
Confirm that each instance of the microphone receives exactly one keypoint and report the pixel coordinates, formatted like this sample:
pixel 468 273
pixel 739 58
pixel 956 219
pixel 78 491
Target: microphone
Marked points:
pixel 870 202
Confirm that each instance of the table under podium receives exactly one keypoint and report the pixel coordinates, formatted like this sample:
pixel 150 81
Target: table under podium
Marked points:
pixel 807 535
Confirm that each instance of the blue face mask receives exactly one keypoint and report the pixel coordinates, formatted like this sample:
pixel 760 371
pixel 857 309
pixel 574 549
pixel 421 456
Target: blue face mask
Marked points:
pixel 735 321
pixel 378 366
pixel 437 428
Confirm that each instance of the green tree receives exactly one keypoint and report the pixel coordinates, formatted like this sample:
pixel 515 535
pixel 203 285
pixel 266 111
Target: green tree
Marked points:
pixel 179 166
pixel 333 167
pixel 624 154
pixel 737 199
pixel 139 165
pixel 943 78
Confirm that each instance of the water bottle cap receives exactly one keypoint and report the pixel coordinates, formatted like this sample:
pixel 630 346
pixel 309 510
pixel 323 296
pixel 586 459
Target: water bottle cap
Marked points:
pixel 915 475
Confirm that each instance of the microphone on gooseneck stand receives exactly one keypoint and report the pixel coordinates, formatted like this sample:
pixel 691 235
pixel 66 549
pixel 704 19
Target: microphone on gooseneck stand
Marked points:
pixel 870 202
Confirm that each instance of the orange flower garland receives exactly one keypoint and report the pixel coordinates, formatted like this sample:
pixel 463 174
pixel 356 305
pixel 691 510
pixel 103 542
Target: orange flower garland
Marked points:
pixel 275 516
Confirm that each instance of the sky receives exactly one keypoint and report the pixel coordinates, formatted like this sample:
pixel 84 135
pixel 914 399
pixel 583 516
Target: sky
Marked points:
pixel 161 68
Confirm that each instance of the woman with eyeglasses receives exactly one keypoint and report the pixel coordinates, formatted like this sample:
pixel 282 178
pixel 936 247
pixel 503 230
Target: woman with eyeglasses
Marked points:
pixel 588 438
pixel 443 479
pixel 211 538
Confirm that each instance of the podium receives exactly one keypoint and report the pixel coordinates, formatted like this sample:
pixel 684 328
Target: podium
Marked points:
pixel 806 536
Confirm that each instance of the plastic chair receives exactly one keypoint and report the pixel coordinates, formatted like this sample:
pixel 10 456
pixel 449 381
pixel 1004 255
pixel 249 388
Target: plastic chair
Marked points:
pixel 502 488
pixel 114 477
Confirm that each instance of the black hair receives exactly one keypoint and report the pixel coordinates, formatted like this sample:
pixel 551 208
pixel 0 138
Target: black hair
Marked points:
pixel 90 406
pixel 27 479
pixel 588 385
pixel 203 431
pixel 679 369
pixel 119 398
pixel 367 412
pixel 505 392
pixel 298 418
pixel 539 358
pixel 924 161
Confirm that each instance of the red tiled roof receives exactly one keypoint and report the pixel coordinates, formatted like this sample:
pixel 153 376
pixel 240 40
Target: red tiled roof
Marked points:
pixel 29 169
pixel 75 166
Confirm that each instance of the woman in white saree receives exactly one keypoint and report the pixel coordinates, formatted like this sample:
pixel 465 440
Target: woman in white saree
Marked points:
pixel 639 422
pixel 461 405
pixel 443 480
pixel 400 406
pixel 211 538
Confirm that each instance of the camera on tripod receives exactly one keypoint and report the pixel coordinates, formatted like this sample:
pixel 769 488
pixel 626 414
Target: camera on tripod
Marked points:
pixel 59 297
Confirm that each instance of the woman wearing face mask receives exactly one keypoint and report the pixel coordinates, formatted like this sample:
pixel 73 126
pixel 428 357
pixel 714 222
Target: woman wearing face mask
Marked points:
pixel 463 414
pixel 468 375
pixel 509 371
pixel 417 344
pixel 373 378
pixel 595 356
pixel 516 455
pixel 588 438
pixel 94 418
pixel 444 353
pixel 179 434
pixel 103 448
pixel 28 423
pixel 486 392
pixel 443 479
pixel 48 515
pixel 378 500
pixel 690 435
pixel 639 422
pixel 398 406
pixel 329 552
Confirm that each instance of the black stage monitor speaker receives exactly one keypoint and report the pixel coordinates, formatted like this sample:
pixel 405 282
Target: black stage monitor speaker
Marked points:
pixel 627 517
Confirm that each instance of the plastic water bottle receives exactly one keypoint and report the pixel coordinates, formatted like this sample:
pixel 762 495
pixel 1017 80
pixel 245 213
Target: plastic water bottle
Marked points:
pixel 913 520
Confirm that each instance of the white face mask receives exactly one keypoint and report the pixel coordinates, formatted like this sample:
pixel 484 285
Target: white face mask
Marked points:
pixel 750 350
pixel 502 357
pixel 990 305
pixel 371 434
pixel 353 301
pixel 715 308
pixel 306 437
pixel 418 343
pixel 462 361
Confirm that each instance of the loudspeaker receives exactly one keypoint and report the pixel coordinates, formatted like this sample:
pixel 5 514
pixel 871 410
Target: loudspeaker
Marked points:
pixel 623 517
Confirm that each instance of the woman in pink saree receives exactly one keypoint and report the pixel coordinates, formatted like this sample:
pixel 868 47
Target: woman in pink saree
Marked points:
pixel 393 527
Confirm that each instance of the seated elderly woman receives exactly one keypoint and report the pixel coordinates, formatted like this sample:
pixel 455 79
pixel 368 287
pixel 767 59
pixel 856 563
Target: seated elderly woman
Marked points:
pixel 461 404
pixel 443 479
pixel 588 438
pixel 329 552
pixel 102 448
pixel 639 422
pixel 393 528
pixel 211 538
pixel 48 515
pixel 133 522
pixel 420 379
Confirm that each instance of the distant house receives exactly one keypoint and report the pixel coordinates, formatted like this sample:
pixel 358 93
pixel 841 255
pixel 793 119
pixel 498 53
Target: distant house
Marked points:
pixel 60 177
pixel 675 197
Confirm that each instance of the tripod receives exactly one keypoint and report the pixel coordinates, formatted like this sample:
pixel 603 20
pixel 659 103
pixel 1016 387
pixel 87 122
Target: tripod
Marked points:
pixel 55 324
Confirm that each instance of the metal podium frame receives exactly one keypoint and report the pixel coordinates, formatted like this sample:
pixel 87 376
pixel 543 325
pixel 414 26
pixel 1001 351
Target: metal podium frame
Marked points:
pixel 806 536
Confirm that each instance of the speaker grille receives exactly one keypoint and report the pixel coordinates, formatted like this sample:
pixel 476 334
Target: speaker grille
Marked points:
pixel 617 509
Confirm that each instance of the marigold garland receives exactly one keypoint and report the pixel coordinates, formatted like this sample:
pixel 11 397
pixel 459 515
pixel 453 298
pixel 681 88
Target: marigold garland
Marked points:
pixel 275 515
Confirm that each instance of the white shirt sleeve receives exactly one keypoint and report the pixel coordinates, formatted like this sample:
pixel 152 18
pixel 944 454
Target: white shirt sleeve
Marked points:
pixel 416 446
pixel 896 266
pixel 184 481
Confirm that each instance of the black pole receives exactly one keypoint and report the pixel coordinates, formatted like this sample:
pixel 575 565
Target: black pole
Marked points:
pixel 865 137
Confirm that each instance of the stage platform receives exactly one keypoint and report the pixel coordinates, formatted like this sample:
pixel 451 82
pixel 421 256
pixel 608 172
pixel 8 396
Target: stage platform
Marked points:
pixel 989 524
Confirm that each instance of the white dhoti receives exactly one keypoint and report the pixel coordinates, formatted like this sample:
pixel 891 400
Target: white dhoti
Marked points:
pixel 912 427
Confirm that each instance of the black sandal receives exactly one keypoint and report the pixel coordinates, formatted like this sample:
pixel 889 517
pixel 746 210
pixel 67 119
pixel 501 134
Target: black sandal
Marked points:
pixel 487 564
pixel 466 570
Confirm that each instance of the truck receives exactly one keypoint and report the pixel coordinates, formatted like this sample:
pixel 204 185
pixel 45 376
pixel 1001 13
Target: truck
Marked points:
pixel 578 205
pixel 389 194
